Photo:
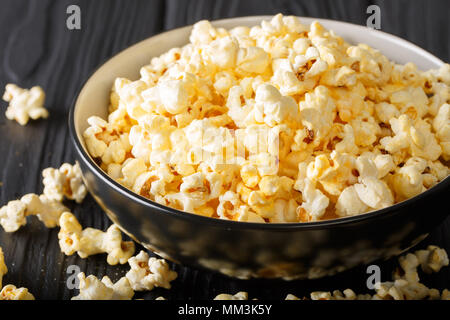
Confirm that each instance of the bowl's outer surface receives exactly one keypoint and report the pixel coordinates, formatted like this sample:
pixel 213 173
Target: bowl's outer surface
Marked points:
pixel 246 249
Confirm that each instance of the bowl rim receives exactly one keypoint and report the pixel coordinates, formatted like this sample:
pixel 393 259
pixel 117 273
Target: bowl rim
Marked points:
pixel 228 224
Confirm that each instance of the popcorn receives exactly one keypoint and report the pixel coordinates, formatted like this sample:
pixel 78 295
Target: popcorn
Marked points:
pixel 280 122
pixel 409 264
pixel 272 108
pixel 223 52
pixel 173 95
pixel 374 68
pixel 374 193
pixel 252 60
pixel 92 288
pixel 347 294
pixel 386 111
pixel 64 182
pixel 401 290
pixel 11 292
pixel 24 104
pixel 314 202
pixel 416 138
pixel 412 101
pixel 13 215
pixel 95 146
pixel 408 180
pixel 405 286
pixel 340 77
pixel 89 241
pixel 317 112
pixel 349 203
pixel 441 125
pixel 432 259
pixel 241 295
pixel 3 268
pixel 149 272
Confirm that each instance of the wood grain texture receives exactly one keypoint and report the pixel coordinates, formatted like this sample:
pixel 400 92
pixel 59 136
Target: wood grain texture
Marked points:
pixel 38 49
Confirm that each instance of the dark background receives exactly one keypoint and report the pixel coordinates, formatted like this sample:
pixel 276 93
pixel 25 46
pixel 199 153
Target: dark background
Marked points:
pixel 38 49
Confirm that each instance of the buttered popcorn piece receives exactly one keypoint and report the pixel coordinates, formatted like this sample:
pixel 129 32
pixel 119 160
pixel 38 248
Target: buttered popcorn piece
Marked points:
pixel 24 104
pixel 91 288
pixel 13 215
pixel 222 126
pixel 11 292
pixel 64 182
pixel 86 242
pixel 149 272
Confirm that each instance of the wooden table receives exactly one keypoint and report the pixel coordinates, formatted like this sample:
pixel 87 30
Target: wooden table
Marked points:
pixel 38 49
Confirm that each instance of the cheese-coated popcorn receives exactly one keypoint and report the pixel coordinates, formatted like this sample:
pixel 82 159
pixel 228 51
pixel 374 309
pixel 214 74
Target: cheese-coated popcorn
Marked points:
pixel 13 215
pixel 24 104
pixel 86 242
pixel 64 182
pixel 11 292
pixel 149 272
pixel 91 288
pixel 279 122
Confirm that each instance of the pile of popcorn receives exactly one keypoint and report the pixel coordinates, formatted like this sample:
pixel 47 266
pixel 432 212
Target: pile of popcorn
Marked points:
pixel 280 122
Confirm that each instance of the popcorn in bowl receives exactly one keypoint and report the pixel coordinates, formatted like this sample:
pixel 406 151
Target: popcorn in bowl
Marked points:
pixel 275 123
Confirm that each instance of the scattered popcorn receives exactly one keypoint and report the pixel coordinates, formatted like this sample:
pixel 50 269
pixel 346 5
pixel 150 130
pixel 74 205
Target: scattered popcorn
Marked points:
pixel 405 285
pixel 92 288
pixel 149 272
pixel 13 215
pixel 89 241
pixel 242 295
pixel 280 122
pixel 24 104
pixel 64 182
pixel 347 294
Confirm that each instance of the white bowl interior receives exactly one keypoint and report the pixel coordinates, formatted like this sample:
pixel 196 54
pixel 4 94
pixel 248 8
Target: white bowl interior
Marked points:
pixel 94 97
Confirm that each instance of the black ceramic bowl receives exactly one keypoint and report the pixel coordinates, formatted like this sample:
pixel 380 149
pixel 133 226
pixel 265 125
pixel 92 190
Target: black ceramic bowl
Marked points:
pixel 244 250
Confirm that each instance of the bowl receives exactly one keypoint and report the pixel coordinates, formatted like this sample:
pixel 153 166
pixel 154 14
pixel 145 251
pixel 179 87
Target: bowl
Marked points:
pixel 240 249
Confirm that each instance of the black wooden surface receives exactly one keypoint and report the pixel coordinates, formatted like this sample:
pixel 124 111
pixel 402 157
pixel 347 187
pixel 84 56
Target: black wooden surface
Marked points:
pixel 38 49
